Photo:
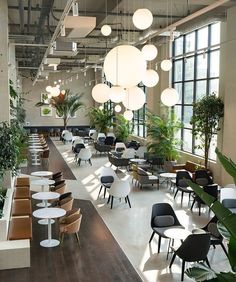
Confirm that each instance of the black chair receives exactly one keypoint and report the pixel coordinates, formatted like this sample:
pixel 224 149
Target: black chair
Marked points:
pixel 211 189
pixel 202 177
pixel 216 237
pixel 163 217
pixel 106 182
pixel 181 184
pixel 109 140
pixel 56 176
pixel 193 249
pixel 133 144
pixel 101 140
pixel 61 197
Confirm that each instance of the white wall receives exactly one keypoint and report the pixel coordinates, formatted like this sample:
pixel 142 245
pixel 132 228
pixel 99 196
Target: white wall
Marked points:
pixel 33 116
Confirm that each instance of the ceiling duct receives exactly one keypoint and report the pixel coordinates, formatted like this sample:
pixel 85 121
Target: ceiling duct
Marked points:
pixel 80 26
pixel 62 48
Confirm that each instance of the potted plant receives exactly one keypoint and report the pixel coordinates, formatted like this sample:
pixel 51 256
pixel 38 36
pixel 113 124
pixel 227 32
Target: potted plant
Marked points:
pixel 66 105
pixel 122 128
pixel 100 119
pixel 207 113
pixel 161 136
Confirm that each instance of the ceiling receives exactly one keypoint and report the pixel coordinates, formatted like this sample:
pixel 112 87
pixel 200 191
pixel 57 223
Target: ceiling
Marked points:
pixel 34 22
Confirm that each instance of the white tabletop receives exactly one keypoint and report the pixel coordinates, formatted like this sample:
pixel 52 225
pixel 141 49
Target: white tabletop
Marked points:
pixel 49 213
pixel 36 150
pixel 42 173
pixel 177 233
pixel 45 196
pixel 35 146
pixel 138 160
pixel 42 182
pixel 168 175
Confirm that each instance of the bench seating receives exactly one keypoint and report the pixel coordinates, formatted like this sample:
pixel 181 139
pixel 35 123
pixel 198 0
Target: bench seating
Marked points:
pixel 20 228
pixel 22 182
pixel 22 193
pixel 21 207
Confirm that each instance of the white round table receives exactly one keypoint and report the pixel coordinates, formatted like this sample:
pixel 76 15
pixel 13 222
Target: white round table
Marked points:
pixel 49 213
pixel 35 154
pixel 42 182
pixel 44 197
pixel 42 173
pixel 168 176
pixel 138 161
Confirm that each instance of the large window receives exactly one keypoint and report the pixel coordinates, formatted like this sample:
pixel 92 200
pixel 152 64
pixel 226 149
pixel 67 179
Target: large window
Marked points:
pixel 139 119
pixel 195 74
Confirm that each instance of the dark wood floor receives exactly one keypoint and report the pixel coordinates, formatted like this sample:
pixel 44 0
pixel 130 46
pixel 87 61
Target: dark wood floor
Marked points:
pixel 56 163
pixel 99 258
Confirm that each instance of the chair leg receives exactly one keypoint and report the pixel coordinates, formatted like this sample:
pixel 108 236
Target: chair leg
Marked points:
pixel 128 201
pixel 172 260
pixel 182 274
pixel 207 262
pixel 105 190
pixel 199 208
pixel 182 195
pixel 108 200
pixel 176 193
pixel 192 205
pixel 224 249
pixel 112 201
pixel 159 244
pixel 62 238
pixel 100 191
pixel 77 237
pixel 90 162
pixel 150 240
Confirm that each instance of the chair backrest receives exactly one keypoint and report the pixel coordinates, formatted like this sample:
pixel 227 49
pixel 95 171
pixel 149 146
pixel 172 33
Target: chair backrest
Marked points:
pixel 212 190
pixel 101 135
pixel 57 175
pixel 77 141
pixel 128 153
pixel 133 144
pixel 65 195
pixel 59 189
pixel 101 140
pixel 120 146
pixel 111 134
pixel 64 131
pixel 22 181
pixel 66 203
pixel 68 136
pixel 141 152
pixel 92 131
pixel 180 178
pixel 120 188
pixel 195 247
pixel 161 209
pixel 109 140
pixel 202 177
pixel 108 171
pixel 229 203
pixel 85 154
pixel 78 147
pixel 73 223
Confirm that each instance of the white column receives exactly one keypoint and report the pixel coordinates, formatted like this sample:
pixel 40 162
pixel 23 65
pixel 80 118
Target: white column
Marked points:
pixel 4 80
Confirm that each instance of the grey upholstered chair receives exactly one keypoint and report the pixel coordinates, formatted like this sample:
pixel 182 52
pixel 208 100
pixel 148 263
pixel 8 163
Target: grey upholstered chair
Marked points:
pixel 145 178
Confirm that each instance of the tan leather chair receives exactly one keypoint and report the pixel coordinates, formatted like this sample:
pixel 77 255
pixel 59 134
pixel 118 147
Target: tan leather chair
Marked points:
pixel 71 225
pixel 60 188
pixel 66 203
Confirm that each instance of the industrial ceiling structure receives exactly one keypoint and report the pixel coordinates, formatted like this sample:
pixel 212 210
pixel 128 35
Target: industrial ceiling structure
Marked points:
pixel 33 23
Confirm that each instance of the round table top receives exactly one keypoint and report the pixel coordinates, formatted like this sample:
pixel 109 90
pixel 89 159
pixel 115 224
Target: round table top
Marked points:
pixel 177 233
pixel 45 196
pixel 36 150
pixel 138 160
pixel 168 175
pixel 49 213
pixel 42 182
pixel 35 146
pixel 42 173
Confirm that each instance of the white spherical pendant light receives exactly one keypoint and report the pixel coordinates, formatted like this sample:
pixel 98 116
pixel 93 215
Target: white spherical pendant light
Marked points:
pixel 151 78
pixel 106 30
pixel 100 93
pixel 169 97
pixel 128 114
pixel 49 88
pixel 55 91
pixel 125 66
pixel 149 52
pixel 166 65
pixel 101 108
pixel 134 98
pixel 63 92
pixel 117 108
pixel 117 94
pixel 142 18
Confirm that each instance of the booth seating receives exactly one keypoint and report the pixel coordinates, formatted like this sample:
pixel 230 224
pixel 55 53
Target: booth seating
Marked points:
pixel 22 193
pixel 22 182
pixel 20 228
pixel 21 207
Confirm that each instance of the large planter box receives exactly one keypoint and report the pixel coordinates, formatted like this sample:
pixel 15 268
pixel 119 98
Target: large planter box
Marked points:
pixel 4 221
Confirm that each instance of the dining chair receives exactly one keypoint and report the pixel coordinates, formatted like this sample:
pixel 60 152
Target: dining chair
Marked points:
pixel 181 184
pixel 193 249
pixel 119 189
pixel 107 177
pixel 202 177
pixel 163 218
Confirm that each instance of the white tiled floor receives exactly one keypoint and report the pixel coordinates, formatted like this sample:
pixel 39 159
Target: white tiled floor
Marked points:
pixel 131 227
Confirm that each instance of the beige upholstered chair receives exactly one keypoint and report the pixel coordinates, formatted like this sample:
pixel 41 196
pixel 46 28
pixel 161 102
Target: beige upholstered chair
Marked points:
pixel 145 178
pixel 70 225
pixel 66 203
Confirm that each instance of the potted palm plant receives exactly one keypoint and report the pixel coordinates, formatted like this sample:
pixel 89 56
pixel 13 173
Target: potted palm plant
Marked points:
pixel 123 128
pixel 66 105
pixel 100 119
pixel 207 113
pixel 161 135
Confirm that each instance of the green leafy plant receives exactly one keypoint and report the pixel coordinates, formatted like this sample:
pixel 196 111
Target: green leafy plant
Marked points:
pixel 100 119
pixel 227 227
pixel 122 128
pixel 66 105
pixel 207 113
pixel 161 136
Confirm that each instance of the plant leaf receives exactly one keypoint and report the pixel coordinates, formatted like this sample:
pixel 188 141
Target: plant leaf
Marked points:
pixel 200 272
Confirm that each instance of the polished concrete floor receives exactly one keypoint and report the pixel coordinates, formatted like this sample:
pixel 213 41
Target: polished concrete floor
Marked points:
pixel 131 227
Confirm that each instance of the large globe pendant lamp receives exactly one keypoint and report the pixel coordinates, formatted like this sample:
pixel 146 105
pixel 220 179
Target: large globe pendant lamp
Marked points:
pixel 55 91
pixel 142 18
pixel 151 78
pixel 149 52
pixel 128 115
pixel 169 97
pixel 125 66
pixel 100 93
pixel 166 65
pixel 134 98
pixel 117 94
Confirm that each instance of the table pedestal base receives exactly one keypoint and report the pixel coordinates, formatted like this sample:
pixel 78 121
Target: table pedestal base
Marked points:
pixel 45 221
pixel 49 243
pixel 42 205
